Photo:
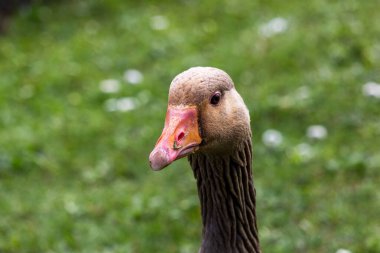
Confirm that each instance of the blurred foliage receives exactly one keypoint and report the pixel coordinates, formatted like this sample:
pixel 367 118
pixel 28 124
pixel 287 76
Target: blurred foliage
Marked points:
pixel 74 176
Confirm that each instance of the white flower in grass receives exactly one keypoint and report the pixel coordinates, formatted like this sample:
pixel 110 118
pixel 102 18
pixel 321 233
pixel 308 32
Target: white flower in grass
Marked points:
pixel 272 138
pixel 343 251
pixel 371 89
pixel 126 104
pixel 120 104
pixel 133 76
pixel 273 27
pixel 316 132
pixel 304 151
pixel 71 206
pixel 159 23
pixel 109 86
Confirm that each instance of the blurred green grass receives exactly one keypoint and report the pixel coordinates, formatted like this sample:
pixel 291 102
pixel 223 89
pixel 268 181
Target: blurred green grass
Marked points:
pixel 74 176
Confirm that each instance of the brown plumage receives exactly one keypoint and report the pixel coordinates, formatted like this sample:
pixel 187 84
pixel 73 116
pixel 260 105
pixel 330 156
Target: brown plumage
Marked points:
pixel 208 121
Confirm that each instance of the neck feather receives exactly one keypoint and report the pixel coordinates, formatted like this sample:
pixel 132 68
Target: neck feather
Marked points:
pixel 227 196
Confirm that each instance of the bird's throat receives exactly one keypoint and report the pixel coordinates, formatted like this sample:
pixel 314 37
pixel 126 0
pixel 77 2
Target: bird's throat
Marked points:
pixel 227 196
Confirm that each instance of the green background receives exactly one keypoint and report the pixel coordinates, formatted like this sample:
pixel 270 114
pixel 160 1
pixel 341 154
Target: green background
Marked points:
pixel 74 177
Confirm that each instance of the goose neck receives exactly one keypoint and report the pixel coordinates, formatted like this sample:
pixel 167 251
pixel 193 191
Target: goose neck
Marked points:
pixel 227 197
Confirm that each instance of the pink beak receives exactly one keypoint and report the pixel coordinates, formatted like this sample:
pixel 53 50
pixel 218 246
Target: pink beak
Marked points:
pixel 179 138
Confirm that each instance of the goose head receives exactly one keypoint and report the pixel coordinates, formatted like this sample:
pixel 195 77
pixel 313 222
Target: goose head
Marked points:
pixel 205 114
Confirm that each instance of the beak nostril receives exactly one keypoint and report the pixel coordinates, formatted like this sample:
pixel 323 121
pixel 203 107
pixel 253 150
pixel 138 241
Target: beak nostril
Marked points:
pixel 180 136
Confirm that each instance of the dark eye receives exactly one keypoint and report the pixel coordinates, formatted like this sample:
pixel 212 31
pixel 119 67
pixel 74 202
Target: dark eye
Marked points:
pixel 215 98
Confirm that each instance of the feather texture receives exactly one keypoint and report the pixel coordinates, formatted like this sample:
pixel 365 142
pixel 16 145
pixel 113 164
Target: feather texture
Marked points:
pixel 227 196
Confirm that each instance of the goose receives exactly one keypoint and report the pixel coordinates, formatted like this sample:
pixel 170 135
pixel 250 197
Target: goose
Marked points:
pixel 208 122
